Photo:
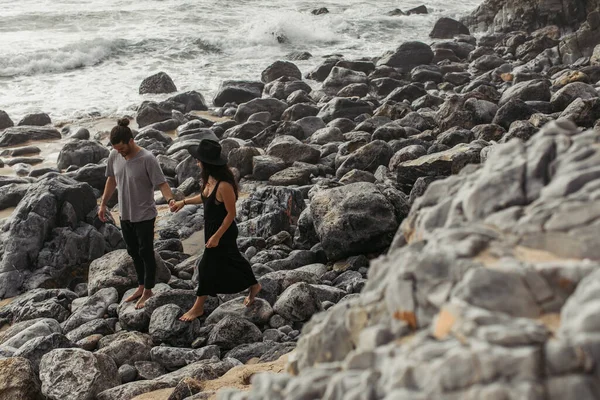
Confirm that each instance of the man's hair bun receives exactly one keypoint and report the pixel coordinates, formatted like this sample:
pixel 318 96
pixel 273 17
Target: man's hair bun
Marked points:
pixel 123 122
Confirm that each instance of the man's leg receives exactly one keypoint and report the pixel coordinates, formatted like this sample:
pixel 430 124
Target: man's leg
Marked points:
pixel 130 237
pixel 145 236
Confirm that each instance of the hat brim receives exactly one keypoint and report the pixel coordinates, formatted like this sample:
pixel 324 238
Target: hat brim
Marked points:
pixel 193 150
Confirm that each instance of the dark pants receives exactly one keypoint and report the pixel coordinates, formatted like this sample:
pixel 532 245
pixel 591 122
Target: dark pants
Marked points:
pixel 139 238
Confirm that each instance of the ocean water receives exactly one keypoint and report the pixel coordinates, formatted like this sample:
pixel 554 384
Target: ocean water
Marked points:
pixel 86 58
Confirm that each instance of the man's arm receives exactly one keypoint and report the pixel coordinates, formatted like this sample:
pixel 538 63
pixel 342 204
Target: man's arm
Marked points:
pixel 165 189
pixel 109 189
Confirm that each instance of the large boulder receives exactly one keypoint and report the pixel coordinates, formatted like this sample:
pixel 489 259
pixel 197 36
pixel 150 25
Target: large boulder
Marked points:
pixel 280 69
pixel 367 158
pixel 94 307
pixel 35 119
pixel 353 219
pixel 22 332
pixel 116 270
pixel 151 112
pixel 340 77
pixel 53 209
pixel 157 83
pixel 5 121
pixel 407 56
pixel 527 15
pixel 290 149
pixel 18 380
pixel 342 107
pixel 76 374
pixel 258 313
pixel 231 331
pixel 188 101
pixel 36 348
pixel 270 210
pixel 298 302
pixel 237 92
pixel 447 28
pixel 272 106
pixel 80 153
pixel 16 135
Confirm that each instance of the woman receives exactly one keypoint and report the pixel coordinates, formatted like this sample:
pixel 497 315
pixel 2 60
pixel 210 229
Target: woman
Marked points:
pixel 222 268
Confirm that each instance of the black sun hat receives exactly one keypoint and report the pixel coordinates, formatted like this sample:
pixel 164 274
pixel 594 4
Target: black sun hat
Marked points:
pixel 209 152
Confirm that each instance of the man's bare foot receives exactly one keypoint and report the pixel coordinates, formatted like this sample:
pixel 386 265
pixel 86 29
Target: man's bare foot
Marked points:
pixel 136 295
pixel 142 301
pixel 192 314
pixel 254 289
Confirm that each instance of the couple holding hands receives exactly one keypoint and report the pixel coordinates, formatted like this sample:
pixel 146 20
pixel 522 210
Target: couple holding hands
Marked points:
pixel 135 172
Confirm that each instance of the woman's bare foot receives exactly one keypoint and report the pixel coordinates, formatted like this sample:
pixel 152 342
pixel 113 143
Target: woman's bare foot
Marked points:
pixel 192 314
pixel 136 295
pixel 142 301
pixel 254 289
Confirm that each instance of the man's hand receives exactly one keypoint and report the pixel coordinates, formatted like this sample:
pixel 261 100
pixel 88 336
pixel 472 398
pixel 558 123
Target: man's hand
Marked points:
pixel 102 213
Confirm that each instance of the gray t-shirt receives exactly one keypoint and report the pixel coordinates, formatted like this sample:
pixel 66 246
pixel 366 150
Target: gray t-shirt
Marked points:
pixel 136 180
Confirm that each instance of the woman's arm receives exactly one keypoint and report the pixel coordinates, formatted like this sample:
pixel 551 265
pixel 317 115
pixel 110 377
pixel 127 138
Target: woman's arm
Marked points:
pixel 228 196
pixel 178 205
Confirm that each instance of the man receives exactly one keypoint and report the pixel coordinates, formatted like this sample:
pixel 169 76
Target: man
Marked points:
pixel 135 172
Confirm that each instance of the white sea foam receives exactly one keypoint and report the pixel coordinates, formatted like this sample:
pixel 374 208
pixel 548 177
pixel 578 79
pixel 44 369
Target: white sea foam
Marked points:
pixel 82 54
pixel 76 58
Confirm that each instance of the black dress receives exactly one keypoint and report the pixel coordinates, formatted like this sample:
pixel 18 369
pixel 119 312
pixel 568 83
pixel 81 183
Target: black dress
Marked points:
pixel 222 269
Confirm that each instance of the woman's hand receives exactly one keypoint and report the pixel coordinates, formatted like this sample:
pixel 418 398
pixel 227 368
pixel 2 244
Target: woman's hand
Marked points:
pixel 176 206
pixel 213 242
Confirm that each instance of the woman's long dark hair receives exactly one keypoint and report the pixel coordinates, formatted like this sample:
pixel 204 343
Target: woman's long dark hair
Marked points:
pixel 220 173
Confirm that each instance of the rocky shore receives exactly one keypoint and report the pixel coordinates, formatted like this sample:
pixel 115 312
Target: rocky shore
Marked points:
pixel 423 224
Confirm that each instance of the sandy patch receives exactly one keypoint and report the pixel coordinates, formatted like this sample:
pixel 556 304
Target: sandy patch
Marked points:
pixel 521 253
pixel 236 378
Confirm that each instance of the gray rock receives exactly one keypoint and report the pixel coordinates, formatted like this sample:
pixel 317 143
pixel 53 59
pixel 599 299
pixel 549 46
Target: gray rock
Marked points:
pixel 290 149
pixel 342 107
pixel 243 159
pixel 173 358
pixel 80 153
pixel 408 56
pixel 237 92
pixel 279 69
pixel 127 373
pixel 130 390
pixel 165 326
pixel 36 348
pixel 576 90
pixel 5 121
pixel 23 332
pixel 263 167
pixel 258 313
pixel 116 270
pixel 367 158
pixel 149 370
pixel 246 352
pixel 298 302
pixel 21 134
pixel 94 307
pixel 232 331
pixel 273 106
pixel 334 210
pixel 126 347
pixel 447 28
pixel 157 83
pixel 18 380
pixel 36 119
pixel 97 326
pixel 76 374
